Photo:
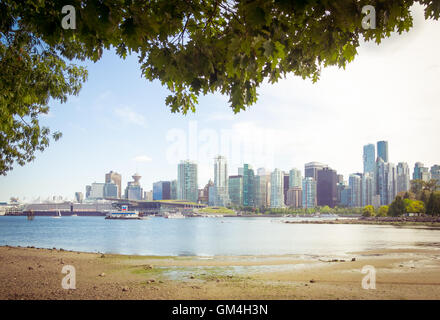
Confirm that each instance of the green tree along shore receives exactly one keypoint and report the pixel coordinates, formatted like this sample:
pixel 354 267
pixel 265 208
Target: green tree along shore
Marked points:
pixel 192 47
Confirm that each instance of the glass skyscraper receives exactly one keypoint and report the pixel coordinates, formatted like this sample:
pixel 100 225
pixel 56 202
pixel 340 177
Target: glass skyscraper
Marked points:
pixel 277 189
pixel 382 150
pixel 248 186
pixel 295 179
pixel 221 181
pixel 308 193
pixel 187 188
pixel 236 190
pixel 369 158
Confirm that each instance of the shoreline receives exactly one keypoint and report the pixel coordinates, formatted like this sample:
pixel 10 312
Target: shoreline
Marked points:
pixel 31 273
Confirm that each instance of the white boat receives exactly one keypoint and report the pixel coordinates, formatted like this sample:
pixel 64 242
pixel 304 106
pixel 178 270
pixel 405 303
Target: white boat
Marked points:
pixel 173 215
pixel 123 214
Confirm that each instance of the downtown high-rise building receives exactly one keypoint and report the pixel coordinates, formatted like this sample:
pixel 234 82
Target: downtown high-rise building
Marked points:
pixel 311 169
pixel 326 184
pixel 285 185
pixel 277 189
pixel 162 190
pixel 116 178
pixel 134 191
pixel 235 186
pixel 187 187
pixel 385 181
pixel 308 193
pixel 421 172
pixel 295 178
pixel 367 189
pixel 369 158
pixel 248 185
pixel 221 180
pixel 262 190
pixel 382 150
pixel 294 197
pixel 402 177
pixel 355 185
pixel 435 173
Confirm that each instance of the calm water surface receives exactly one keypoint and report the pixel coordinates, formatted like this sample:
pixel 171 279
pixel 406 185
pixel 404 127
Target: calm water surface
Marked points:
pixel 206 236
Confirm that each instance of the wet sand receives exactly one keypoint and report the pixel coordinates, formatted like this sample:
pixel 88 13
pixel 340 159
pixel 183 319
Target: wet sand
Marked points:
pixel 31 273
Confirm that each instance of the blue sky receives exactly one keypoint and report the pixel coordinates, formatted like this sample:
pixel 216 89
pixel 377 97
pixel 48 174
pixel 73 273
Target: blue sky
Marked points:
pixel 120 121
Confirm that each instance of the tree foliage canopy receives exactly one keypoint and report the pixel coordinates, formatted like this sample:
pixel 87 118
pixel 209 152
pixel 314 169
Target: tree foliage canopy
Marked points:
pixel 192 47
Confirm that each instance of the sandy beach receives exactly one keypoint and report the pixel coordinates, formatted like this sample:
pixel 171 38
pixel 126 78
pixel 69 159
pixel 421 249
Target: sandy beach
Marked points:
pixel 32 273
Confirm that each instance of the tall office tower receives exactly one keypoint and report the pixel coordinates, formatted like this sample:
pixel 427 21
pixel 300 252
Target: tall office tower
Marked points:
pixel 116 178
pixel 162 190
pixel 277 189
pixel 88 191
pixel 355 183
pixel 382 150
pixel 308 193
pixel 97 191
pixel 346 196
pixel 221 180
pixel 402 177
pixel 173 191
pixel 187 188
pixel 211 195
pixel 435 173
pixel 367 188
pixel 311 169
pixel 421 172
pixel 369 158
pixel 236 190
pixel 294 197
pixel 79 197
pixel 339 187
pixel 133 191
pixel 110 190
pixel 262 191
pixel 385 181
pixel 295 178
pixel 248 186
pixel 326 192
pixel 285 185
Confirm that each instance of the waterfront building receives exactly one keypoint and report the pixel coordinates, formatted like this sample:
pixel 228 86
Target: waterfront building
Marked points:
pixel 285 185
pixel 221 181
pixel 211 195
pixel 295 178
pixel 294 197
pixel 97 191
pixel 339 187
pixel 435 173
pixel 421 172
pixel 311 169
pixel 88 191
pixel 277 189
pixel 148 195
pixel 236 190
pixel 262 190
pixel 355 184
pixel 79 197
pixel 116 178
pixel 346 196
pixel 382 150
pixel 402 177
pixel 134 191
pixel 248 186
pixel 162 190
pixel 187 188
pixel 385 181
pixel 369 158
pixel 308 193
pixel 204 193
pixel 173 189
pixel 110 190
pixel 326 184
pixel 367 189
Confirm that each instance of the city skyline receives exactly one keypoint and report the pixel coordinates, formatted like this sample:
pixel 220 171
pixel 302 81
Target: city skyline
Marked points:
pixel 119 121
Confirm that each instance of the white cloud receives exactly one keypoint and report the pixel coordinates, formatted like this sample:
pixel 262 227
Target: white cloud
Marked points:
pixel 142 158
pixel 129 116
